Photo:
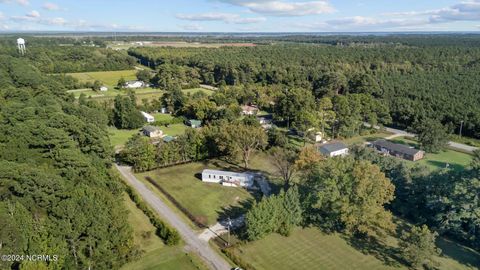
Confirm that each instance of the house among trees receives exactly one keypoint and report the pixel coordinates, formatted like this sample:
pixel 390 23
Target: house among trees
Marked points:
pixel 134 84
pixel 152 132
pixel 230 179
pixel 194 123
pixel 103 88
pixel 334 149
pixel 398 150
pixel 265 120
pixel 249 110
pixel 148 117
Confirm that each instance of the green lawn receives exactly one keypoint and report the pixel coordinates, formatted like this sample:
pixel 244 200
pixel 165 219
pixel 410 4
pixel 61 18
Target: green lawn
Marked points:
pixel 456 160
pixel 108 78
pixel 119 137
pixel 157 255
pixel 366 138
pixel 205 201
pixel 311 249
pixel 195 90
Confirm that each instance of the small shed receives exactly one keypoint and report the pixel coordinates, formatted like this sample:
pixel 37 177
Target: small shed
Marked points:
pixel 103 89
pixel 333 149
pixel 152 132
pixel 168 139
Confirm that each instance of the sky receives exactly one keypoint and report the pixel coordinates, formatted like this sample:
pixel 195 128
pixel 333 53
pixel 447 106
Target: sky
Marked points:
pixel 240 15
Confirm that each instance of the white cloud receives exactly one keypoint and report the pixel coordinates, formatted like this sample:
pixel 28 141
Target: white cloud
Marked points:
pixel 33 14
pixel 283 8
pixel 50 6
pixel 20 2
pixel 225 17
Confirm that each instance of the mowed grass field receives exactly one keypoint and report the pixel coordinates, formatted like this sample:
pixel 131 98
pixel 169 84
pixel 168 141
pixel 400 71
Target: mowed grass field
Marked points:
pixel 108 78
pixel 206 201
pixel 310 248
pixel 456 160
pixel 156 254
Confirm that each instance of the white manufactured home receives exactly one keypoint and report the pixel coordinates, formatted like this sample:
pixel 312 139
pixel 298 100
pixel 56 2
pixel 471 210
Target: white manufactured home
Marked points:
pixel 148 117
pixel 231 179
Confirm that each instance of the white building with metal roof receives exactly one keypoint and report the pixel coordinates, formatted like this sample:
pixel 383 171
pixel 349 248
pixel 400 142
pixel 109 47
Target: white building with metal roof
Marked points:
pixel 231 179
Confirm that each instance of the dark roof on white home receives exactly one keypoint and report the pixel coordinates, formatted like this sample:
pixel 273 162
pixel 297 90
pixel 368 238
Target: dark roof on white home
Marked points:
pixel 333 147
pixel 400 148
pixel 150 128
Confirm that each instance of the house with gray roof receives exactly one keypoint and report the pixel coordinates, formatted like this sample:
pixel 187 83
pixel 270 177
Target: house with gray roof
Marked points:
pixel 334 149
pixel 398 150
pixel 152 132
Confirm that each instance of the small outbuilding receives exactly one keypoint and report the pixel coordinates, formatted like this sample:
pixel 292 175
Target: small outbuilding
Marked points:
pixel 231 179
pixel 152 132
pixel 148 117
pixel 398 150
pixel 334 149
pixel 103 89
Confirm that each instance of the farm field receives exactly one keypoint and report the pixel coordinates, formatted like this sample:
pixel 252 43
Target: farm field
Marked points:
pixel 456 160
pixel 310 248
pixel 205 201
pixel 156 254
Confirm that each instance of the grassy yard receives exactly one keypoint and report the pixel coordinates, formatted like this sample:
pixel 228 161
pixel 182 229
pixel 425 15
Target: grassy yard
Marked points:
pixel 156 254
pixel 206 201
pixel 195 90
pixel 367 138
pixel 119 137
pixel 456 160
pixel 311 249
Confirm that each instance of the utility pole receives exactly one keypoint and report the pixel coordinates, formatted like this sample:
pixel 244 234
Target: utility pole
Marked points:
pixel 461 127
pixel 228 228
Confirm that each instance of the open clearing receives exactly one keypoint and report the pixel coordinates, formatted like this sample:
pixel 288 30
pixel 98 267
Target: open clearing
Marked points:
pixel 206 201
pixel 456 160
pixel 118 137
pixel 312 249
pixel 157 255
pixel 108 78
pixel 367 138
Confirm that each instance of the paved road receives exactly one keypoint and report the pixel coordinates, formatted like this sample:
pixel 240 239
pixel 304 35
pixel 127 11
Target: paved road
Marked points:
pixel 398 133
pixel 194 243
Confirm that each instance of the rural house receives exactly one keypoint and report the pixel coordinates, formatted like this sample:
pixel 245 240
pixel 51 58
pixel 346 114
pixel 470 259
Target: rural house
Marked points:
pixel 230 179
pixel 152 132
pixel 398 150
pixel 103 88
pixel 148 117
pixel 265 120
pixel 249 110
pixel 194 123
pixel 134 84
pixel 333 149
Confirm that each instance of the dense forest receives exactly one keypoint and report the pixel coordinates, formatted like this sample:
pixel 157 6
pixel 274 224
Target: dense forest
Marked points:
pixel 415 82
pixel 53 56
pixel 57 193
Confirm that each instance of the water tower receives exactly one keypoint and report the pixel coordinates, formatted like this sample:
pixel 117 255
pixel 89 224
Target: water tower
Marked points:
pixel 21 46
